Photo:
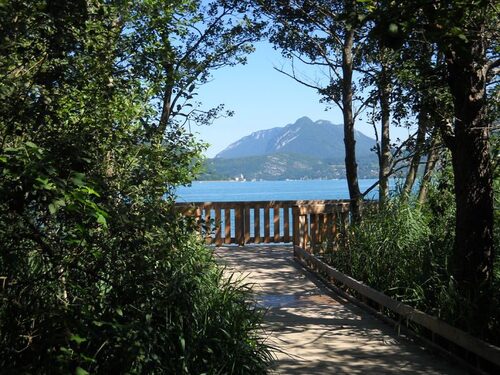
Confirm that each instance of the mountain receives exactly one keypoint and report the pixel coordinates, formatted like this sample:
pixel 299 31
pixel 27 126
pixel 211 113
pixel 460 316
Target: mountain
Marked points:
pixel 302 150
pixel 281 167
pixel 320 139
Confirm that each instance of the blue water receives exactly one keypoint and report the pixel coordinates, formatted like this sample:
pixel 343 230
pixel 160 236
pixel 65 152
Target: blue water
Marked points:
pixel 244 191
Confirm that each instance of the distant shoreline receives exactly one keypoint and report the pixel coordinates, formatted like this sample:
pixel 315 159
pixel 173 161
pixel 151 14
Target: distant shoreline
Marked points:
pixel 283 190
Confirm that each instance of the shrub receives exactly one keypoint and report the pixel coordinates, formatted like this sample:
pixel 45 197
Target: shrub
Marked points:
pixel 98 273
pixel 387 250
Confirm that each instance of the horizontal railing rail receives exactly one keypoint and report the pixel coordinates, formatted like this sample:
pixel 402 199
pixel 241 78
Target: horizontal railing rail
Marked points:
pixel 313 224
pixel 406 313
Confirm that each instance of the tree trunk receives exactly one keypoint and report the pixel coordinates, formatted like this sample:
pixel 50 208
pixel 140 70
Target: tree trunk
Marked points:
pixel 415 161
pixel 473 248
pixel 349 140
pixel 385 140
pixel 166 110
pixel 432 158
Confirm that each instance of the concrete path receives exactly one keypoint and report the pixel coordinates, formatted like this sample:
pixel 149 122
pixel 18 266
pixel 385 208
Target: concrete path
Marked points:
pixel 316 331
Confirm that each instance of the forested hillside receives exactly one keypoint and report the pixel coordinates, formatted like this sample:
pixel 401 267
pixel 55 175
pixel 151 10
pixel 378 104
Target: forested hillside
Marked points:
pixel 282 167
pixel 302 150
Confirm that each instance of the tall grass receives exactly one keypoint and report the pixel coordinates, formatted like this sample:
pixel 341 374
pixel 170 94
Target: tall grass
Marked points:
pixel 405 249
pixel 149 308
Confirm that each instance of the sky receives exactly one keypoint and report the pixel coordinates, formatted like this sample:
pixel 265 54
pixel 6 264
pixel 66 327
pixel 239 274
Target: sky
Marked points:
pixel 262 98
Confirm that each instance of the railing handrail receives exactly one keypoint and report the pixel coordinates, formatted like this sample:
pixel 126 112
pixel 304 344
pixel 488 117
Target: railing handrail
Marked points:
pixel 308 223
pixel 268 202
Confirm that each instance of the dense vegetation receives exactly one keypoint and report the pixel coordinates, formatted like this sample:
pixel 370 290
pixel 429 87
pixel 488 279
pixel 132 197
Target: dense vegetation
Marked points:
pixel 99 273
pixel 404 249
pixel 432 66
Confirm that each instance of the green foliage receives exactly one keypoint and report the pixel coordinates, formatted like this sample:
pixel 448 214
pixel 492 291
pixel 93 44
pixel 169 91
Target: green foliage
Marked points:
pixel 404 250
pixel 281 166
pixel 388 249
pixel 99 273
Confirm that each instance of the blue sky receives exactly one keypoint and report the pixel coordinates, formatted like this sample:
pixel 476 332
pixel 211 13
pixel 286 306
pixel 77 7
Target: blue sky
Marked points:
pixel 262 98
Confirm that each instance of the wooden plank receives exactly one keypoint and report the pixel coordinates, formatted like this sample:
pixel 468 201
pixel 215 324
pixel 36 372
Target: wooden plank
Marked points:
pixel 247 225
pixel 303 231
pixel 199 220
pixel 238 225
pixel 227 226
pixel 342 203
pixel 314 230
pixel 276 214
pixel 267 235
pixel 296 226
pixel 317 229
pixel 330 235
pixel 286 224
pixel 257 238
pixel 208 226
pixel 324 230
pixel 335 227
pixel 218 224
pixel 319 209
pixel 483 349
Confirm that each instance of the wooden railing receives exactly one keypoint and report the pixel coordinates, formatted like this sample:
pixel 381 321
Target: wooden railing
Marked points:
pixel 443 336
pixel 309 224
pixel 314 227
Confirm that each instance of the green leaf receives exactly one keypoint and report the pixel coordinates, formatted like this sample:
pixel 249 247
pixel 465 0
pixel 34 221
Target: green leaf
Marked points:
pixel 45 183
pixel 78 339
pixel 101 220
pixel 78 179
pixel 80 371
pixel 393 28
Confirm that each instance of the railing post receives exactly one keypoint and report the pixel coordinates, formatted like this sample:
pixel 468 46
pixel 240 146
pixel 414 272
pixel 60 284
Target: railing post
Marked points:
pixel 276 220
pixel 239 230
pixel 247 221
pixel 227 226
pixel 295 227
pixel 267 230
pixel 218 225
pixel 208 224
pixel 286 224
pixel 257 225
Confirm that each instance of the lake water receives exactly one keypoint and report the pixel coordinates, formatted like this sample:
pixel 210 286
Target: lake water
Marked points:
pixel 243 191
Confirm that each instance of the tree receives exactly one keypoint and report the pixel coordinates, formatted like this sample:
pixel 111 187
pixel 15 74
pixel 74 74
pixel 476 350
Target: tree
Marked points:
pixel 326 34
pixel 175 48
pixel 466 34
pixel 379 79
pixel 99 272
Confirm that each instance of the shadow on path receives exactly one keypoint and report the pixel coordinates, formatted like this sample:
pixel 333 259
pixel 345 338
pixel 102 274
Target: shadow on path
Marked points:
pixel 316 331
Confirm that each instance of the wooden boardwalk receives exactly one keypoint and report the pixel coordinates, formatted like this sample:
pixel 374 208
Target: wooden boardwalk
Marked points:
pixel 316 331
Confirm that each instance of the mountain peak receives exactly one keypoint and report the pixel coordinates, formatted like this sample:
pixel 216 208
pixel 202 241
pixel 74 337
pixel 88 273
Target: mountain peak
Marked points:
pixel 304 121
pixel 320 139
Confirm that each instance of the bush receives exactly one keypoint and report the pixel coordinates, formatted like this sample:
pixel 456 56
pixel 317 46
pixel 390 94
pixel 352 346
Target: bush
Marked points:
pixel 98 272
pixel 388 250
pixel 141 308
pixel 404 250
